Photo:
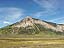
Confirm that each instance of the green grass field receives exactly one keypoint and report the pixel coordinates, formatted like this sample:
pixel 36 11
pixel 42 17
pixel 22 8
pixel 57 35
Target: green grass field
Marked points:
pixel 37 37
pixel 32 41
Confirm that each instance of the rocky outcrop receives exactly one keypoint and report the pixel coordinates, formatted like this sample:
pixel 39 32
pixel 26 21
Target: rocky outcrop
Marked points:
pixel 29 21
pixel 60 28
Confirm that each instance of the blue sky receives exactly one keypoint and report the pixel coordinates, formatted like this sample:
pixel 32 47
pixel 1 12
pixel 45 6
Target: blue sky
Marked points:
pixel 12 11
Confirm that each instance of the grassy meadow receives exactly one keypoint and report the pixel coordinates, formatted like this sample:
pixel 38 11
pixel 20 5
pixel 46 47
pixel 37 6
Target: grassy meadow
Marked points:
pixel 32 41
pixel 37 37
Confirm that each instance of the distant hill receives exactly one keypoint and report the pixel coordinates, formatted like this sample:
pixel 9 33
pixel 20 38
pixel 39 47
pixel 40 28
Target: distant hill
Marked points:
pixel 31 25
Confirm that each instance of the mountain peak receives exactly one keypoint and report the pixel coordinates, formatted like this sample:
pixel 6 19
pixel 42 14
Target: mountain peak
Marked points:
pixel 29 21
pixel 29 17
pixel 31 25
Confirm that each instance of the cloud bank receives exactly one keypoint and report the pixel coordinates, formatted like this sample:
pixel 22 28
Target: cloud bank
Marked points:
pixel 58 20
pixel 5 22
pixel 10 14
pixel 49 6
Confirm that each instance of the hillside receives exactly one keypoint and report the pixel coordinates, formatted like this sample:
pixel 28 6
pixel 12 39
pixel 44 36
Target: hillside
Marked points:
pixel 31 25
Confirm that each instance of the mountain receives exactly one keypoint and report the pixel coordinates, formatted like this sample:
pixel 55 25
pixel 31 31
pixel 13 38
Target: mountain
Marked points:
pixel 31 25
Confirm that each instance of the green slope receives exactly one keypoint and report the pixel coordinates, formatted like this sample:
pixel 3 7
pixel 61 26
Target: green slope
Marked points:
pixel 35 29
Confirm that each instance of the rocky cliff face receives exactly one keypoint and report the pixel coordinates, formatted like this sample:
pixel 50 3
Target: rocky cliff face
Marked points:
pixel 31 25
pixel 60 28
pixel 29 21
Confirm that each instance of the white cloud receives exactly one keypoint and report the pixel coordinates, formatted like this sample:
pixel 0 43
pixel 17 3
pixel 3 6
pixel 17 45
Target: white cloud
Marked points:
pixel 44 13
pixel 57 19
pixel 49 6
pixel 6 22
pixel 10 13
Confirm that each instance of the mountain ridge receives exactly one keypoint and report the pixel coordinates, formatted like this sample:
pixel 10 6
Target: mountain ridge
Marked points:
pixel 29 21
pixel 31 25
